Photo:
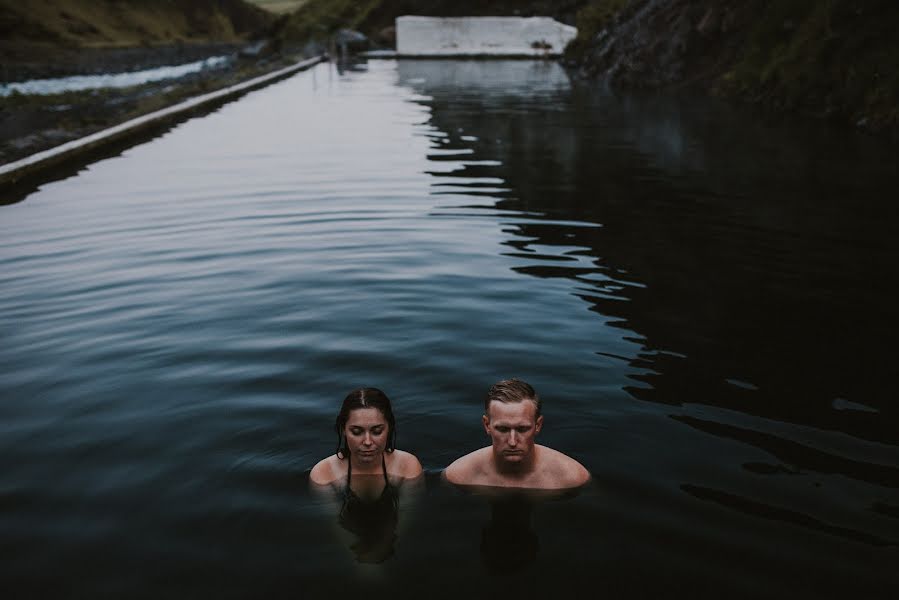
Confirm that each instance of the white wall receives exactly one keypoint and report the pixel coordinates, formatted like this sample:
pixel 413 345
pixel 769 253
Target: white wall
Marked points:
pixel 473 36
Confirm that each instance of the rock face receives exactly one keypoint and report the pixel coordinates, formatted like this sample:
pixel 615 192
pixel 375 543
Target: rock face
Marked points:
pixel 835 59
pixel 481 36
pixel 655 43
pixel 348 41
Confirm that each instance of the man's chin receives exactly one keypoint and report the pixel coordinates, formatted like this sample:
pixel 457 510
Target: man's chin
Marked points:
pixel 513 457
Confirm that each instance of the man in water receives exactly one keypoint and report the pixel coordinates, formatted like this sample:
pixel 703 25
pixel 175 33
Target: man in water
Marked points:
pixel 512 420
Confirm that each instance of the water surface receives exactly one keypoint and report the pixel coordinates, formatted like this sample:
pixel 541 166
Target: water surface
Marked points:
pixel 701 296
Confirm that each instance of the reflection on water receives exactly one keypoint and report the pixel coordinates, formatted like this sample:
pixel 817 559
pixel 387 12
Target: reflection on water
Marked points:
pixel 509 543
pixel 753 268
pixel 703 298
pixel 372 521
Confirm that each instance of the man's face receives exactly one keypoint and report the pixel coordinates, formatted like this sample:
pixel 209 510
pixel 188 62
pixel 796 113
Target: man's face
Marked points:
pixel 512 427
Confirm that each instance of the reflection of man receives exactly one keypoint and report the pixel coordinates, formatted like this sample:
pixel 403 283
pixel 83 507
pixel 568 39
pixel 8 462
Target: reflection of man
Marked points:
pixel 512 419
pixel 508 541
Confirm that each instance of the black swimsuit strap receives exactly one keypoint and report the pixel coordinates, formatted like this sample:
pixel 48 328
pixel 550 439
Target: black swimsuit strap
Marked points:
pixel 349 470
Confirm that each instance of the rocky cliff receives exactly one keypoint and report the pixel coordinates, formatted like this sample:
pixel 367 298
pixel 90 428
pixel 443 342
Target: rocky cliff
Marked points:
pixel 836 59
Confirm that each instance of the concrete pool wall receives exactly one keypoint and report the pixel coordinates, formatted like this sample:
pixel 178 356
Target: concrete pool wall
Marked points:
pixel 482 36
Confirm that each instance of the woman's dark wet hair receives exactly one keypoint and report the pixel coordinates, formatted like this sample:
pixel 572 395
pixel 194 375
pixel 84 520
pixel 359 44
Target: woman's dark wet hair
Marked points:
pixel 364 398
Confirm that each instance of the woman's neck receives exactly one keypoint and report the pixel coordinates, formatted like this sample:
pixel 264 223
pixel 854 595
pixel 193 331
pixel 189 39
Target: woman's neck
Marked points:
pixel 368 467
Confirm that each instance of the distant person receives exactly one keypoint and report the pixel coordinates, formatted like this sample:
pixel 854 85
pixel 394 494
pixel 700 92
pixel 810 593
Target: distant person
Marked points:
pixel 366 472
pixel 512 419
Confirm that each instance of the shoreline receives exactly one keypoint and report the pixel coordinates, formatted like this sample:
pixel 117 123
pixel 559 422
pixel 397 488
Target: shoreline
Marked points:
pixel 15 173
pixel 31 124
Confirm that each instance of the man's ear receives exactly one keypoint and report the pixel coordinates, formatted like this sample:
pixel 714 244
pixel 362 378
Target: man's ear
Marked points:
pixel 538 424
pixel 486 420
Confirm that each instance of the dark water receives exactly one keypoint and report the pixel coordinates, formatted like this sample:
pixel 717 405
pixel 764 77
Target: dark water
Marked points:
pixel 702 297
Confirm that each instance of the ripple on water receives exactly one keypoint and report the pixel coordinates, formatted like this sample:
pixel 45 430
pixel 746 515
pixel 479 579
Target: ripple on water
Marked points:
pixel 181 322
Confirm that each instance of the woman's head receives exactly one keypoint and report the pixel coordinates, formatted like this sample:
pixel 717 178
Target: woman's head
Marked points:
pixel 365 421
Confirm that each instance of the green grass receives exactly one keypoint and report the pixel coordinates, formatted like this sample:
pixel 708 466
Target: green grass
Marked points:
pixel 838 54
pixel 318 19
pixel 591 19
pixel 128 22
pixel 279 6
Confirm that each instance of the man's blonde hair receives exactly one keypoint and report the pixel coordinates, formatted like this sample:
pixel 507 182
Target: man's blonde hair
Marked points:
pixel 512 390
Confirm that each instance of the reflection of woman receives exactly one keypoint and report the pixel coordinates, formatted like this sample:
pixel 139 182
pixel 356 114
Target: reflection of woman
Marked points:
pixel 367 472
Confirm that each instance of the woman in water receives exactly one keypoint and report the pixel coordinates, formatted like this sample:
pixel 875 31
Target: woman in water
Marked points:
pixel 367 472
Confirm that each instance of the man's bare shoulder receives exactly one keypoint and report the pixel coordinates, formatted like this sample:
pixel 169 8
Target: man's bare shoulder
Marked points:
pixel 565 471
pixel 468 469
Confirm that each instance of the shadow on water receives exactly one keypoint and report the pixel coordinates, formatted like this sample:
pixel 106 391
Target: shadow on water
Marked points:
pixel 509 543
pixel 750 261
pixel 372 522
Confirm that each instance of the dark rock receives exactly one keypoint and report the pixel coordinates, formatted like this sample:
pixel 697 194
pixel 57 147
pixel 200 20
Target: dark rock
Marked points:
pixel 386 37
pixel 260 49
pixel 348 41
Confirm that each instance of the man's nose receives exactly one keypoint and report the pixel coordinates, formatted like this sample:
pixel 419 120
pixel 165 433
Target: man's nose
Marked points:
pixel 513 438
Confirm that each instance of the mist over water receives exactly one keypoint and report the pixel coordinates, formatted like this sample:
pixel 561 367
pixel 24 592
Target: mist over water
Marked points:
pixel 702 297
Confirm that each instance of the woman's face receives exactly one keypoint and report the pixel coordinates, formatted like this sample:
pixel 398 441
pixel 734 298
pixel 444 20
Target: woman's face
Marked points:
pixel 366 434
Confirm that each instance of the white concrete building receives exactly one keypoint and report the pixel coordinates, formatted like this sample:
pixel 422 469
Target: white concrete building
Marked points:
pixel 482 36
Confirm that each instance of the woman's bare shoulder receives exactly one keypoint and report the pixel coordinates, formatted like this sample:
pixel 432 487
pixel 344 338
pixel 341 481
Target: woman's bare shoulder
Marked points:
pixel 325 471
pixel 405 464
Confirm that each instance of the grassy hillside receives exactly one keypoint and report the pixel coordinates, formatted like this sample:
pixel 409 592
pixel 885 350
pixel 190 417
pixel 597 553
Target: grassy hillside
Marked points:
pixel 118 23
pixel 828 58
pixel 833 58
pixel 279 6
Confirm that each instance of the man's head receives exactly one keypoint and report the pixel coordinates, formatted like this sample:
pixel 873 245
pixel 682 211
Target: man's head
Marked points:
pixel 512 419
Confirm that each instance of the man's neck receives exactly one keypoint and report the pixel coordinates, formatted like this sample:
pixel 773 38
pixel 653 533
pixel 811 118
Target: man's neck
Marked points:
pixel 516 470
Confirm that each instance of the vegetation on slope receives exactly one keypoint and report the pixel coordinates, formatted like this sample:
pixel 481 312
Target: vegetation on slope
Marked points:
pixel 278 6
pixel 591 19
pixel 319 19
pixel 829 58
pixel 833 58
pixel 119 23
